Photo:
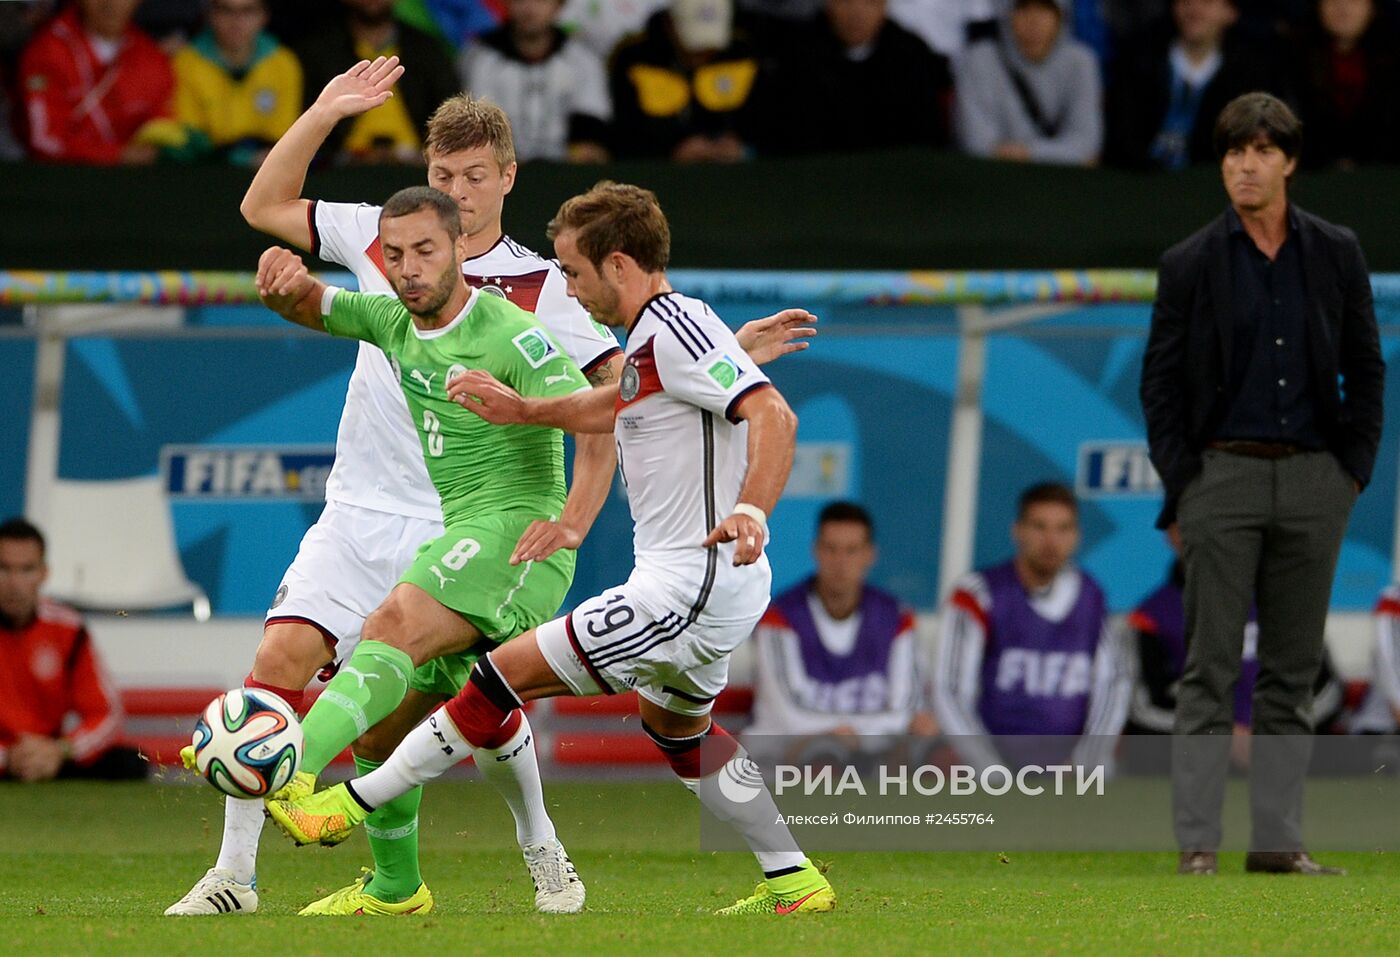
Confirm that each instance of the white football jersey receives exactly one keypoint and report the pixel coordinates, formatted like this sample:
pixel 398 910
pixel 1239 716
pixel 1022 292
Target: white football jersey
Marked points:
pixel 683 457
pixel 378 457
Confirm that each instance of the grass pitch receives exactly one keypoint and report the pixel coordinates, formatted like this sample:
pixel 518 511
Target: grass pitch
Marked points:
pixel 86 869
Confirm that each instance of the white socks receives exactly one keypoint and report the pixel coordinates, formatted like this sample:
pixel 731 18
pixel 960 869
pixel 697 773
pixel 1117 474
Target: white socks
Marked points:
pixel 737 796
pixel 424 754
pixel 514 771
pixel 435 745
pixel 243 823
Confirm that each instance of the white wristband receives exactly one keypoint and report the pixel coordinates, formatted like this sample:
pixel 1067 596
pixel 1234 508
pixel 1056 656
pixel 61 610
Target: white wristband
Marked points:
pixel 327 296
pixel 753 512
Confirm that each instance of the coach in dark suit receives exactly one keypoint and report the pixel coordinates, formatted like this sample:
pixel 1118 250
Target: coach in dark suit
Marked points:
pixel 1262 453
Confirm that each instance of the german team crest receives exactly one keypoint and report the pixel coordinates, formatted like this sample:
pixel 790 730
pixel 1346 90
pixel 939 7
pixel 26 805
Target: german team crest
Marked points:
pixel 631 383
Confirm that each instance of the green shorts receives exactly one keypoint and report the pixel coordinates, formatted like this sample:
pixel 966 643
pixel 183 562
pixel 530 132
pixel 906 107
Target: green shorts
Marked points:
pixel 468 570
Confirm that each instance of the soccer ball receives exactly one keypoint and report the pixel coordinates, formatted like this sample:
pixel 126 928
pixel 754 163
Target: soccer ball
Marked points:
pixel 248 743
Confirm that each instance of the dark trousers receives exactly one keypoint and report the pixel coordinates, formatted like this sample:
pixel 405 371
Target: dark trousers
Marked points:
pixel 1265 532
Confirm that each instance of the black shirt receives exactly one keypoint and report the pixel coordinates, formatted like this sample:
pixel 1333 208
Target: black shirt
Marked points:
pixel 1269 374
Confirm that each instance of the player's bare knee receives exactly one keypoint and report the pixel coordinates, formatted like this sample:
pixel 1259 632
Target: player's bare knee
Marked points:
pixel 388 623
pixel 397 625
pixel 670 724
pixel 290 654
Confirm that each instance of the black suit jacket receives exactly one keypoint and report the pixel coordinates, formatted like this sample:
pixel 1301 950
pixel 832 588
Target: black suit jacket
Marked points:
pixel 1186 387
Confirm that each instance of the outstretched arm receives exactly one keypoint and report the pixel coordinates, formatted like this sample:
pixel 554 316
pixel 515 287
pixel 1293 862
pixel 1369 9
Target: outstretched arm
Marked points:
pixel 595 461
pixel 273 203
pixel 772 440
pixel 581 413
pixel 288 288
pixel 777 335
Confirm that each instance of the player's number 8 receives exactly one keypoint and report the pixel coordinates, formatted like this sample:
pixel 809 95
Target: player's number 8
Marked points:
pixel 461 553
pixel 432 425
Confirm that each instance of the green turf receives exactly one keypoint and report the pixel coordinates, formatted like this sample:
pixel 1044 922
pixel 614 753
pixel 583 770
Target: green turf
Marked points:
pixel 87 869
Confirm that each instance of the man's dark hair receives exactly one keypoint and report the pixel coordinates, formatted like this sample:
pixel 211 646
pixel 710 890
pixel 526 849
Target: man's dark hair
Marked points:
pixel 1043 492
pixel 408 201
pixel 846 512
pixel 1047 4
pixel 1258 116
pixel 18 530
pixel 616 217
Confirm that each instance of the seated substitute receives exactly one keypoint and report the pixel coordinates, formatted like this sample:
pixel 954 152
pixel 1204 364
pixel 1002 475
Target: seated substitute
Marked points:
pixel 837 657
pixel 58 717
pixel 1380 711
pixel 1025 648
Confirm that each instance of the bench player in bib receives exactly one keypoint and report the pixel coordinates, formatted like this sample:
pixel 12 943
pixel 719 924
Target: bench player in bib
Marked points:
pixel 381 505
pixel 705 446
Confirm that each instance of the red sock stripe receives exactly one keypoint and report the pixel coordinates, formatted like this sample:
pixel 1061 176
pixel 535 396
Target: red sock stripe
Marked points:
pixel 706 756
pixel 293 696
pixel 479 721
pixel 505 732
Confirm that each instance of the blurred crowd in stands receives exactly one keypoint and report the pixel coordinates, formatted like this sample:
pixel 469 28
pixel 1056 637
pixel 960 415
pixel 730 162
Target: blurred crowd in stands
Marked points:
pixel 1129 83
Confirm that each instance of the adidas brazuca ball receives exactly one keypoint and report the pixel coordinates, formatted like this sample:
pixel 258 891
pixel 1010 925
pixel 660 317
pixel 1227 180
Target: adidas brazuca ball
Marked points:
pixel 248 743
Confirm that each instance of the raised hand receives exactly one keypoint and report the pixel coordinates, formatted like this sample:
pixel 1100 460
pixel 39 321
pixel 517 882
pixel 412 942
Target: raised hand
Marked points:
pixel 481 393
pixel 777 335
pixel 361 88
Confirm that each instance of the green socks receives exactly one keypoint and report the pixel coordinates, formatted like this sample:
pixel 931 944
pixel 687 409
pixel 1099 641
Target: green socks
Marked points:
pixel 369 686
pixel 393 837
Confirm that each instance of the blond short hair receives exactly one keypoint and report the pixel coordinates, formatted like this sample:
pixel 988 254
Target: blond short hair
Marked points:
pixel 462 122
pixel 615 217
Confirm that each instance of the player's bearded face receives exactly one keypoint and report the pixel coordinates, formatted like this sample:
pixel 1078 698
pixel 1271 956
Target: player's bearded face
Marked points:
pixel 422 298
pixel 422 261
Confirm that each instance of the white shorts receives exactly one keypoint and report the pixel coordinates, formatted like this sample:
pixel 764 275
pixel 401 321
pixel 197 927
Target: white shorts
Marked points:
pixel 612 643
pixel 346 566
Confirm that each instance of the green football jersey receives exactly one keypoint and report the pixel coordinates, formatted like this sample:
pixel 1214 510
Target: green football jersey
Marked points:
pixel 476 467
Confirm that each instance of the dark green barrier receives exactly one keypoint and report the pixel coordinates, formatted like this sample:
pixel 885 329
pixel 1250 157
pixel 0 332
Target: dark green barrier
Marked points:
pixel 885 211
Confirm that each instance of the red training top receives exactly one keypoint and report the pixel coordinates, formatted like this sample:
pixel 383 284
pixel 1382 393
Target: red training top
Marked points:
pixel 48 669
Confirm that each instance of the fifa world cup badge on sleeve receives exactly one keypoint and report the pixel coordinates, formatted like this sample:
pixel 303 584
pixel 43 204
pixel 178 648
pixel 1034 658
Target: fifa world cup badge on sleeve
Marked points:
pixel 725 372
pixel 535 346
